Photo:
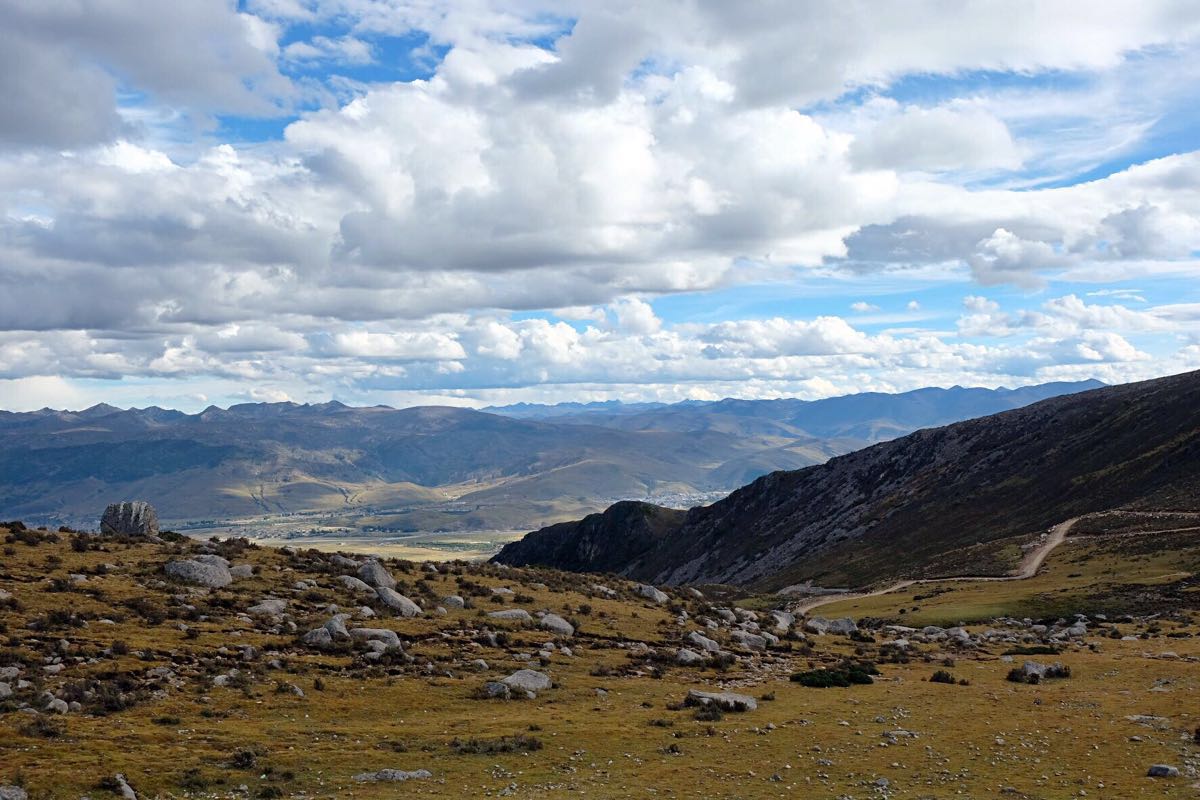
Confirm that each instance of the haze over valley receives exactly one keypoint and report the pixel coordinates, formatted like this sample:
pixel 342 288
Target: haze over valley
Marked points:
pixel 374 477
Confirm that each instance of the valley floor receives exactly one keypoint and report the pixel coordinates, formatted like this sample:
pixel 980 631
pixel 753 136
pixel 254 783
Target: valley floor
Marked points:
pixel 187 692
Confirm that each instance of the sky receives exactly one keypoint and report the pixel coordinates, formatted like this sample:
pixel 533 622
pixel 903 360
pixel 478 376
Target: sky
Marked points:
pixel 477 202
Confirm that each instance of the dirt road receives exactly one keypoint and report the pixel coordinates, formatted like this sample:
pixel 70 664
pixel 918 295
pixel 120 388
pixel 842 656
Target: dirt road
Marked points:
pixel 1030 564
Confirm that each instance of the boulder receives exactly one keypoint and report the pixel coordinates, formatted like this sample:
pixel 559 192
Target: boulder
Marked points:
pixel 1162 771
pixel 342 561
pixel 398 602
pixel 199 573
pixel 527 680
pixel 355 585
pixel 556 625
pixel 375 574
pixel 319 638
pixel 13 793
pixel 688 658
pixel 726 701
pixel 454 601
pixel 5 691
pixel 750 641
pixel 270 607
pixel 242 571
pixel 819 625
pixel 512 614
pixel 697 639
pixel 129 519
pixel 337 627
pixel 495 690
pixel 392 775
pixel 650 593
pixel 782 621
pixel 388 637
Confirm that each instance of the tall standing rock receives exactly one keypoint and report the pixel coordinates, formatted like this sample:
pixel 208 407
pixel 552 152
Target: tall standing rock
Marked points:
pixel 129 519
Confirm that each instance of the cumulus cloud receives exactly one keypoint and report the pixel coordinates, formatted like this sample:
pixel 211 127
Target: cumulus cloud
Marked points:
pixel 62 65
pixel 937 139
pixel 516 216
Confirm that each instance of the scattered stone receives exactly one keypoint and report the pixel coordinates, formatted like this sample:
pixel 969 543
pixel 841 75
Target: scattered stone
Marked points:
pixel 392 775
pixel 556 625
pixel 199 573
pixel 527 680
pixel 782 621
pixel 129 519
pixel 374 574
pixel 388 637
pixel 697 639
pixel 398 602
pixel 318 638
pixel 355 585
pixel 337 627
pixel 339 560
pixel 726 701
pixel 495 690
pixel 750 641
pixel 270 607
pixel 844 626
pixel 124 790
pixel 650 593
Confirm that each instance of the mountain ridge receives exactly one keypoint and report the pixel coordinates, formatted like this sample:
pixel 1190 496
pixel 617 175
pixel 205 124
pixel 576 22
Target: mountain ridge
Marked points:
pixel 895 508
pixel 426 468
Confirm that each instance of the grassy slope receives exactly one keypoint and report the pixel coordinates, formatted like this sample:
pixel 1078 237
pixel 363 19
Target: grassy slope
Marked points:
pixel 1058 738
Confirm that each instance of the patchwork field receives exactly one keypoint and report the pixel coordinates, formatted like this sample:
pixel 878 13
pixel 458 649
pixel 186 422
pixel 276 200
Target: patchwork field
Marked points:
pixel 188 691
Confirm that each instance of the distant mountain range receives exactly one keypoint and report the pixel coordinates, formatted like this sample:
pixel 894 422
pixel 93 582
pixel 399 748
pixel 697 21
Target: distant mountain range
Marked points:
pixel 868 417
pixel 436 468
pixel 935 502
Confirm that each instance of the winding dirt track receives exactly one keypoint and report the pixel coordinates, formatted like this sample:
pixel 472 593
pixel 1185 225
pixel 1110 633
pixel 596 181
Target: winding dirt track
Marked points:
pixel 1030 564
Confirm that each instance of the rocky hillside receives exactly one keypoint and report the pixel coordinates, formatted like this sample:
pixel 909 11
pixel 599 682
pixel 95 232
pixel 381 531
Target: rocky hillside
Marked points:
pixel 162 667
pixel 902 508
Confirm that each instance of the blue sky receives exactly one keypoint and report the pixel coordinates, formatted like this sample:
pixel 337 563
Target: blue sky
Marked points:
pixel 487 202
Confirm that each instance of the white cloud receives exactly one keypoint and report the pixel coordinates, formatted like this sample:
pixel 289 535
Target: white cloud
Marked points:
pixel 937 139
pixel 411 236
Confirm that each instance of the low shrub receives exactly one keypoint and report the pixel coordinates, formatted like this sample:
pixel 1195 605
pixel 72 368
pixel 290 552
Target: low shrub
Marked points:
pixel 848 673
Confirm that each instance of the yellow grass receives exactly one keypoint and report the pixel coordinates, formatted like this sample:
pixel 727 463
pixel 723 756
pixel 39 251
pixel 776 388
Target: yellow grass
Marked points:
pixel 1048 741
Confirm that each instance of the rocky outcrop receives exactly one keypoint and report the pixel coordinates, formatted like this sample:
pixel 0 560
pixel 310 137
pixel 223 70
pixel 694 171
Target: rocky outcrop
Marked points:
pixel 129 519
pixel 607 542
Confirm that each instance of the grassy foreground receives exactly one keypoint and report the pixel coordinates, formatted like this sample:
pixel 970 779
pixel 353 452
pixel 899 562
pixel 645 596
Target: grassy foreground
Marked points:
pixel 611 726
